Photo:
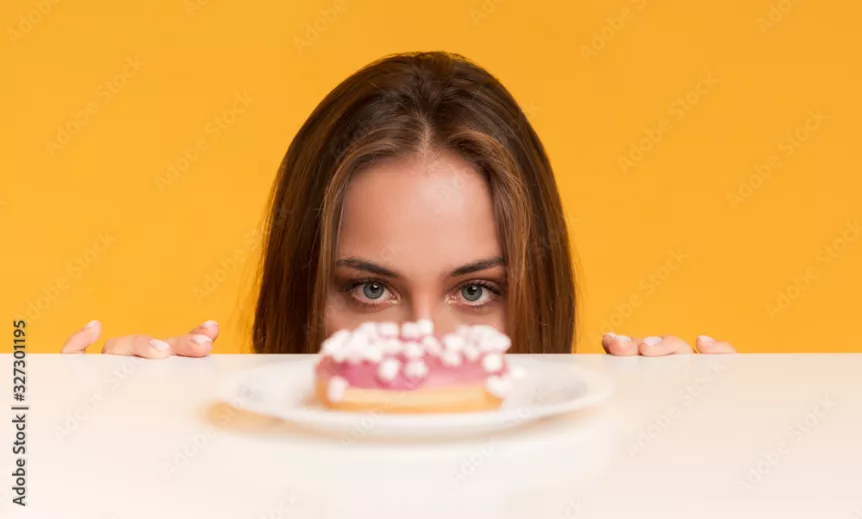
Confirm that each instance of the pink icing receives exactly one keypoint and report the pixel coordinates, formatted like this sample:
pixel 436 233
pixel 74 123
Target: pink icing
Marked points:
pixel 364 374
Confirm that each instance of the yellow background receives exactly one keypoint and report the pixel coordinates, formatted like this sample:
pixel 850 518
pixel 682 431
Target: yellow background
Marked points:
pixel 710 90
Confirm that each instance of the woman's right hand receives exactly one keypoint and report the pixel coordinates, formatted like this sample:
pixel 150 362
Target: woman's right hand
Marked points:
pixel 196 343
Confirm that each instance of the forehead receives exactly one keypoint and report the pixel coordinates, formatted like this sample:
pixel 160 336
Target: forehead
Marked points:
pixel 431 211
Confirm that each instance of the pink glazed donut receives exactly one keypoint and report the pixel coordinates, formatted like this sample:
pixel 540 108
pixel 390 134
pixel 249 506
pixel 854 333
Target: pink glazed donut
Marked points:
pixel 386 368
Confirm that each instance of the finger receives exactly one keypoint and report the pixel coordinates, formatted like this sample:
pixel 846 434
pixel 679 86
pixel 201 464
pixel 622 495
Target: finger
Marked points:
pixel 191 345
pixel 209 328
pixel 707 345
pixel 197 343
pixel 619 345
pixel 665 345
pixel 138 346
pixel 79 341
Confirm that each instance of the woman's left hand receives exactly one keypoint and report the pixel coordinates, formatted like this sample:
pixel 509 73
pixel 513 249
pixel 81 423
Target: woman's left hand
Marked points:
pixel 655 346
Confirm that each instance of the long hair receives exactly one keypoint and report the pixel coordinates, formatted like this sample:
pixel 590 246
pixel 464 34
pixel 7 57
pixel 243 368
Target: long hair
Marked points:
pixel 398 106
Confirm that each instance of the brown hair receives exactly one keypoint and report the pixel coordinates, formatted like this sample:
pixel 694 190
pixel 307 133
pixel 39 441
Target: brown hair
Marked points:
pixel 401 105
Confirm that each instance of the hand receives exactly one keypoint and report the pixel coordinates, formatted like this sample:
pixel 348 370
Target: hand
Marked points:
pixel 624 346
pixel 197 343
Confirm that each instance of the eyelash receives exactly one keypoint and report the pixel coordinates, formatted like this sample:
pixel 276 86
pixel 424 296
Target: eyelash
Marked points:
pixel 358 283
pixel 494 288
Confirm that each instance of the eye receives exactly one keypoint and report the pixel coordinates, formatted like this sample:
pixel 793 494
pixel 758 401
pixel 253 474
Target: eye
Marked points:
pixel 476 293
pixel 370 292
pixel 472 293
pixel 373 290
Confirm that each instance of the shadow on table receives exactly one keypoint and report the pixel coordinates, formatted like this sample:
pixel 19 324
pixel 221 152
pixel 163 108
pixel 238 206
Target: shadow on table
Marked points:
pixel 231 420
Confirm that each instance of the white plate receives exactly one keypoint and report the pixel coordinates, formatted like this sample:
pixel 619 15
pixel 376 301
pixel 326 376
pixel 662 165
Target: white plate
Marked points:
pixel 284 390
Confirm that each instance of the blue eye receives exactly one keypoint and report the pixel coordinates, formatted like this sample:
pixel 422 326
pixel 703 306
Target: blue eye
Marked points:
pixel 370 293
pixel 477 293
pixel 373 290
pixel 471 293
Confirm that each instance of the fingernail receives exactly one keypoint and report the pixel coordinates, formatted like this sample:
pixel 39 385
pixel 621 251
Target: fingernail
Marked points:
pixel 624 338
pixel 612 335
pixel 706 339
pixel 210 324
pixel 201 339
pixel 91 324
pixel 652 341
pixel 159 345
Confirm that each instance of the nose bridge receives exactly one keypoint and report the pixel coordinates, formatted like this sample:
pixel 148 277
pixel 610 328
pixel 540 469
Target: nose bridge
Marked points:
pixel 423 303
pixel 427 303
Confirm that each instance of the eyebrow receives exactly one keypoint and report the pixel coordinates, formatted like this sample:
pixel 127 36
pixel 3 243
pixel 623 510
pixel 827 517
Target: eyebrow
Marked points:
pixel 476 266
pixel 367 266
pixel 374 268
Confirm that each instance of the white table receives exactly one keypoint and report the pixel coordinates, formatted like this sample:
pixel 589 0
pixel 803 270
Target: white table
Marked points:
pixel 691 436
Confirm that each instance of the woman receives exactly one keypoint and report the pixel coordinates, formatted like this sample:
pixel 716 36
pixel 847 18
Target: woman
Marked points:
pixel 416 189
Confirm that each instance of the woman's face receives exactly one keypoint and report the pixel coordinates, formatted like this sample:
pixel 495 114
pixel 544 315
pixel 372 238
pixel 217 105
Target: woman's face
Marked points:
pixel 418 240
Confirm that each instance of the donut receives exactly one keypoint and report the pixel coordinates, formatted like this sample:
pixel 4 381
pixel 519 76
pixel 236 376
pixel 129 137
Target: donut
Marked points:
pixel 406 369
